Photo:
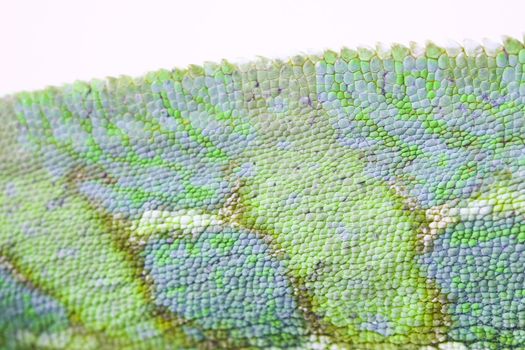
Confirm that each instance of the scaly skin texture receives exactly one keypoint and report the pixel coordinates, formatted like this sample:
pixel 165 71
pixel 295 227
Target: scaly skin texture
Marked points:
pixel 353 200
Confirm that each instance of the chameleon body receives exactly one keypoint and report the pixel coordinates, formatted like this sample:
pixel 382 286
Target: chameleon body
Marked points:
pixel 361 199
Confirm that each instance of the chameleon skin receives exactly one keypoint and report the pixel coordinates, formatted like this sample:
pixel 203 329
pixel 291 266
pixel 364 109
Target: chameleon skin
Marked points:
pixel 361 199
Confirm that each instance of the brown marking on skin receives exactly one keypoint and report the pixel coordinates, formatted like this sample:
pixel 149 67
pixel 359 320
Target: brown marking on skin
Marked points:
pixel 83 173
pixel 168 323
pixel 313 321
pixel 7 264
pixel 25 277
pixel 431 222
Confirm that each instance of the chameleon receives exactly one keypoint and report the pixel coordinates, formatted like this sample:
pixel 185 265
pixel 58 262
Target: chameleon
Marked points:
pixel 367 198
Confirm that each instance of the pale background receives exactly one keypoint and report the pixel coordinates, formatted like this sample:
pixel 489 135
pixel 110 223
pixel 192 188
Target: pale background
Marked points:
pixel 54 42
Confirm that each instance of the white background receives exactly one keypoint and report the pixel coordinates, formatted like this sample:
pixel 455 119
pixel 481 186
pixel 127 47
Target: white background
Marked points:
pixel 54 42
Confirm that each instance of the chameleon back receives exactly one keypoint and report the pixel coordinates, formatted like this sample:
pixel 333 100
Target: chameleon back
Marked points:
pixel 352 200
